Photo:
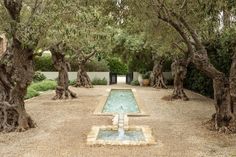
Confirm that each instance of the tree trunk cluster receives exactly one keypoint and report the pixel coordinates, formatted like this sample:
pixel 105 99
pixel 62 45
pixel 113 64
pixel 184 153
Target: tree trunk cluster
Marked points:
pixel 157 78
pixel 83 79
pixel 60 64
pixel 224 88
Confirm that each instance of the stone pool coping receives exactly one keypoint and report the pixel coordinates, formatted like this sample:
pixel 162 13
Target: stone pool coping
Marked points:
pixel 103 99
pixel 147 132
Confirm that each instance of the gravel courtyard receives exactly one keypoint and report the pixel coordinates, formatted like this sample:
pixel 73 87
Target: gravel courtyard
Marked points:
pixel 63 127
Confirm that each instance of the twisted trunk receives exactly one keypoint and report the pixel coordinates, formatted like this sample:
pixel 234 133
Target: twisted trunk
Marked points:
pixel 223 93
pixel 179 71
pixel 83 79
pixel 232 82
pixel 221 85
pixel 19 69
pixel 157 80
pixel 59 62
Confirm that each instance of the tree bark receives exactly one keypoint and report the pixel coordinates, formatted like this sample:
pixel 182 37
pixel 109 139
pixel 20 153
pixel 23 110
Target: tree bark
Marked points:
pixel 179 71
pixel 233 84
pixel 15 76
pixel 157 80
pixel 83 79
pixel 59 62
pixel 12 107
pixel 221 86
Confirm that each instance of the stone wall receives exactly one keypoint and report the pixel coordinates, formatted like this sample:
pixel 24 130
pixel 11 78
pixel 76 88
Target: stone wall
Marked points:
pixel 73 75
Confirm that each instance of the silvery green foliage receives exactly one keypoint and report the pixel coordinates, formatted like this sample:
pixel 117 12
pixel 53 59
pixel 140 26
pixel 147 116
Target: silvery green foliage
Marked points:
pixel 79 23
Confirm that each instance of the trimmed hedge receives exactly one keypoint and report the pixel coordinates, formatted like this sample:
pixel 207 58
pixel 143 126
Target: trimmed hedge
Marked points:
pixel 198 82
pixel 98 66
pixel 44 63
pixel 116 66
pixel 97 81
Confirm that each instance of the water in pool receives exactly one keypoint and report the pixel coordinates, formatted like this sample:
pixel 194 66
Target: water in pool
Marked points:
pixel 110 135
pixel 121 101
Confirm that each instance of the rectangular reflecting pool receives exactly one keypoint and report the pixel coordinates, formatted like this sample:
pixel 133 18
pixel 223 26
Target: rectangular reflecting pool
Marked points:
pixel 131 135
pixel 121 101
pixel 109 135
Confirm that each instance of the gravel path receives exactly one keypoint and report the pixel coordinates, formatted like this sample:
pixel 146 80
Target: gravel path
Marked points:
pixel 63 127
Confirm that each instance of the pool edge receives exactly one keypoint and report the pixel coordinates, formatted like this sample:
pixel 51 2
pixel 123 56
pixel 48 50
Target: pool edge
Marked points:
pixel 147 132
pixel 103 99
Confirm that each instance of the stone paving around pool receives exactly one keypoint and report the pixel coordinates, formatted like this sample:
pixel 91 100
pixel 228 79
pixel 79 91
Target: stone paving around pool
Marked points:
pixel 63 127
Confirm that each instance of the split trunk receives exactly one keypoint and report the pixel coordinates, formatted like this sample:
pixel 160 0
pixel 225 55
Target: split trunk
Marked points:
pixel 157 80
pixel 83 79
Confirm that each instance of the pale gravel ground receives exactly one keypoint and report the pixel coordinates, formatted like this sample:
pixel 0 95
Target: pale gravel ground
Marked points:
pixel 63 127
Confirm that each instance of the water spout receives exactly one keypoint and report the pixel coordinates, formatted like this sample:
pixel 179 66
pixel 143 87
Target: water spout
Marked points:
pixel 121 122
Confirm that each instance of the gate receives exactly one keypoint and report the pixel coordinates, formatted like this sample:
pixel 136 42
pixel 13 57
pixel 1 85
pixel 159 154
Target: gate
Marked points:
pixel 129 78
pixel 113 78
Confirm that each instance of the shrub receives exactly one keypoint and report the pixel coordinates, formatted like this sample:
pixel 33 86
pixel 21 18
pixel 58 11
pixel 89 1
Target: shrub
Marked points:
pixel 147 75
pixel 72 82
pixel 97 81
pixel 38 76
pixel 135 83
pixel 117 67
pixel 44 85
pixel 31 93
pixel 96 65
pixel 44 63
pixel 198 82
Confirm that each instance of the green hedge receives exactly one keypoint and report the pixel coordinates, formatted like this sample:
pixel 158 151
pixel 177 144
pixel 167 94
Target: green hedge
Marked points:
pixel 97 81
pixel 44 63
pixel 98 66
pixel 116 66
pixel 198 82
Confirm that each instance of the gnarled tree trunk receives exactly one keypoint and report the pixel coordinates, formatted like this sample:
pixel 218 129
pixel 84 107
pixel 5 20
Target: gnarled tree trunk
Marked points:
pixel 83 79
pixel 179 71
pixel 221 86
pixel 157 80
pixel 16 76
pixel 223 94
pixel 233 84
pixel 59 62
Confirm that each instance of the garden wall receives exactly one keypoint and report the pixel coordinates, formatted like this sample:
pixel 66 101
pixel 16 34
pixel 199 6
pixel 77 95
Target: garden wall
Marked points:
pixel 167 75
pixel 73 75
